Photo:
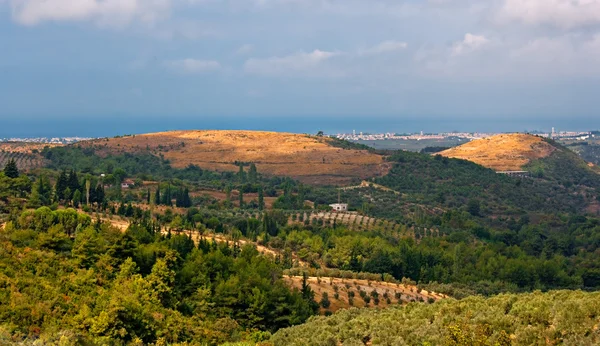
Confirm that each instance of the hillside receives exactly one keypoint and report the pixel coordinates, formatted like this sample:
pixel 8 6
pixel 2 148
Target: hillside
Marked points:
pixel 310 159
pixel 507 152
pixel 348 293
pixel 561 317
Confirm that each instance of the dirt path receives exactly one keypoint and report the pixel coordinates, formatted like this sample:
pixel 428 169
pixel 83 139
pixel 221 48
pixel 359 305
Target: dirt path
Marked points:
pixel 220 238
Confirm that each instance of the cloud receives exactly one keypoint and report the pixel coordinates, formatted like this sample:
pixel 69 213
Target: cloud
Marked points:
pixel 469 43
pixel 298 63
pixel 193 66
pixel 384 47
pixel 565 14
pixel 245 49
pixel 107 12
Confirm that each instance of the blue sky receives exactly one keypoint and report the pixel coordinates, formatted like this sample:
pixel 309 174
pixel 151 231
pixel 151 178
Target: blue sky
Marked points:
pixel 239 63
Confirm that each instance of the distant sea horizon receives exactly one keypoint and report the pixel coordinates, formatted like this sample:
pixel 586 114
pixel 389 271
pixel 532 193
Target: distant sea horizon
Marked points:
pixel 114 126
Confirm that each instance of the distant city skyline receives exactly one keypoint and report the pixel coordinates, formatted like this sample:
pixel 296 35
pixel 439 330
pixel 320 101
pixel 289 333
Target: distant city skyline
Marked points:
pixel 113 126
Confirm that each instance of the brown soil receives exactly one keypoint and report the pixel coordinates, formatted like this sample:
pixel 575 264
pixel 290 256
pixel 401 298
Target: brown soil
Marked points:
pixel 306 158
pixel 509 152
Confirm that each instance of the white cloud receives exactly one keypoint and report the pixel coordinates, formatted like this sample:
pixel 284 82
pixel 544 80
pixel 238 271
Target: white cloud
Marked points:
pixel 245 49
pixel 291 64
pixel 384 47
pixel 567 55
pixel 193 66
pixel 566 14
pixel 106 12
pixel 469 43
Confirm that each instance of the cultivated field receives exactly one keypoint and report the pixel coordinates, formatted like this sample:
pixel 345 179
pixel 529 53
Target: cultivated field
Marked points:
pixel 509 152
pixel 306 158
pixel 26 155
pixel 387 293
pixel 358 222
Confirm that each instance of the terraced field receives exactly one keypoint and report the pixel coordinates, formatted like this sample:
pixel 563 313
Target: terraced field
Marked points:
pixel 24 161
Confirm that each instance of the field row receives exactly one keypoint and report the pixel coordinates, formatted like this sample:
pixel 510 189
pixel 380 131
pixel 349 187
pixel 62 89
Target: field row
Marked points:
pixel 24 161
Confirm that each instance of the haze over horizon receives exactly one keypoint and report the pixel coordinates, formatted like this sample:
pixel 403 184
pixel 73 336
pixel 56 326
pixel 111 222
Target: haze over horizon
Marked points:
pixel 113 126
pixel 99 68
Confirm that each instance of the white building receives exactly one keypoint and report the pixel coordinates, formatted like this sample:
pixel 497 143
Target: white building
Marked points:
pixel 340 207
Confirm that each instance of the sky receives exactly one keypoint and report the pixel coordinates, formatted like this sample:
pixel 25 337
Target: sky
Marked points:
pixel 101 67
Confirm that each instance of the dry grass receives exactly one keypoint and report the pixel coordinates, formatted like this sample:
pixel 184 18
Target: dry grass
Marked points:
pixel 508 152
pixel 306 158
pixel 407 293
pixel 25 148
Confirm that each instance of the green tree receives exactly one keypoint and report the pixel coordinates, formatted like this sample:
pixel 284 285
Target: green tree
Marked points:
pixel 325 303
pixel 11 170
pixel 474 207
pixel 261 199
pixel 76 198
pixel 157 198
pixel 252 173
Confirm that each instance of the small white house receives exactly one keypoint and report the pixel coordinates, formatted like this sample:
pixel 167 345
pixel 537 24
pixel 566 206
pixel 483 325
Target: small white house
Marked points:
pixel 339 207
pixel 127 183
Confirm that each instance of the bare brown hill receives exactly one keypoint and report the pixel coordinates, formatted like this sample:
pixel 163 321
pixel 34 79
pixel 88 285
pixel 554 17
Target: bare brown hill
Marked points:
pixel 306 158
pixel 506 152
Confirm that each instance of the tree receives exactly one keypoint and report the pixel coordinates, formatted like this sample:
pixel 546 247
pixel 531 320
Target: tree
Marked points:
pixel 261 199
pixel 157 196
pixel 62 183
pixel 325 303
pixel 76 198
pixel 474 207
pixel 73 183
pixel 88 185
pixel 241 198
pixel 148 197
pixel 252 173
pixel 11 170
pixel 242 174
pixel 99 194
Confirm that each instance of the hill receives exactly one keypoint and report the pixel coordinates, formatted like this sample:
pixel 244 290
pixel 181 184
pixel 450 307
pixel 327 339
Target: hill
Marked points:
pixel 348 293
pixel 561 317
pixel 506 152
pixel 318 160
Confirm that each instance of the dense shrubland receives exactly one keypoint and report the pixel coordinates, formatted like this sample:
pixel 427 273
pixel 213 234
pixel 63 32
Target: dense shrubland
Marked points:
pixel 67 278
pixel 560 317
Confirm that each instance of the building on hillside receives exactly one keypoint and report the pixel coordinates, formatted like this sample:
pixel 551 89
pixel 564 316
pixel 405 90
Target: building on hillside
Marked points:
pixel 339 207
pixel 127 183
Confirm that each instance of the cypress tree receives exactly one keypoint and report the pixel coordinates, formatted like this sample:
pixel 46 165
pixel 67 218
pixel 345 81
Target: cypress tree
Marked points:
pixel 11 170
pixel 148 197
pixel 73 183
pixel 252 173
pixel 241 198
pixel 261 199
pixel 62 184
pixel 99 194
pixel 157 196
pixel 242 174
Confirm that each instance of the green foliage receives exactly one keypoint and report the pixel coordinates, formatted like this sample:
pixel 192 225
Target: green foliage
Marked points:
pixel 11 170
pixel 65 278
pixel 561 317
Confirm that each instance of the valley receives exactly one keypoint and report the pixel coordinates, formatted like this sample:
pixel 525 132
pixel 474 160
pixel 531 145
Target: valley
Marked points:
pixel 224 237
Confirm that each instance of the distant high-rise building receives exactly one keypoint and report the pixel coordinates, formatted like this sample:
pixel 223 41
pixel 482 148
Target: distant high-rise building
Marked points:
pixel 552 135
pixel 421 133
pixel 354 132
